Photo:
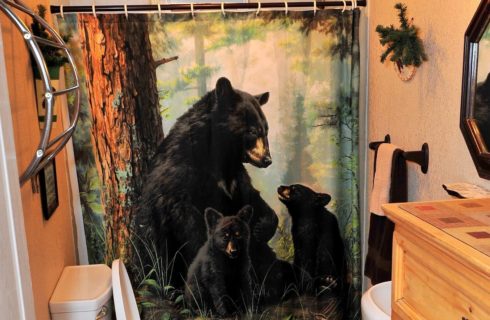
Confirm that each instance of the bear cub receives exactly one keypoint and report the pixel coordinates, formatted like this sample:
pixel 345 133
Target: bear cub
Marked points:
pixel 218 280
pixel 318 246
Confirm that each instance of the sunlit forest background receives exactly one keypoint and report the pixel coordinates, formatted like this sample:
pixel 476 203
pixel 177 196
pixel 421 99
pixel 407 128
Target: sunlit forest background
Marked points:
pixel 308 64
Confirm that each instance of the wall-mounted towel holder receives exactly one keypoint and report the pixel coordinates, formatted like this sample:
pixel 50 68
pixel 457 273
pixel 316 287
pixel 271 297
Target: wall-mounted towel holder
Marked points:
pixel 48 147
pixel 421 157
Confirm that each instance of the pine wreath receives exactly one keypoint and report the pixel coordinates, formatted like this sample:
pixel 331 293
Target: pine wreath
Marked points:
pixel 403 44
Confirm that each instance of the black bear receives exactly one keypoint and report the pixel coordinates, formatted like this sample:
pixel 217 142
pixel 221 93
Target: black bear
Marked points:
pixel 198 165
pixel 318 246
pixel 218 281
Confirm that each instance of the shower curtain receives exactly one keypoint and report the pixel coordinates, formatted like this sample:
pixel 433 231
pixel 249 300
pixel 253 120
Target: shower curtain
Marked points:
pixel 144 71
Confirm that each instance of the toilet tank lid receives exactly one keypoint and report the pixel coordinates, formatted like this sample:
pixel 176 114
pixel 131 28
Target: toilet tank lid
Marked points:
pixel 82 288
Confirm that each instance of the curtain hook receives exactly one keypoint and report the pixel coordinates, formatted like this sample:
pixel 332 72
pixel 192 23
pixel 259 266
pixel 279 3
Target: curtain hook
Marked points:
pixel 285 7
pixel 353 4
pixel 314 7
pixel 192 9
pixel 258 8
pixel 61 12
pixel 126 10
pixel 93 9
pixel 159 10
pixel 345 6
pixel 223 9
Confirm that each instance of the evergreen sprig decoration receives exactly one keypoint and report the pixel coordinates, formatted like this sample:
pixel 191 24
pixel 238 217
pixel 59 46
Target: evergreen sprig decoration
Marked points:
pixel 53 56
pixel 403 44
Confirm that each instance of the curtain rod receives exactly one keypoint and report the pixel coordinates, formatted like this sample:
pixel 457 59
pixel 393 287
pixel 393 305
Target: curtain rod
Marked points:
pixel 203 6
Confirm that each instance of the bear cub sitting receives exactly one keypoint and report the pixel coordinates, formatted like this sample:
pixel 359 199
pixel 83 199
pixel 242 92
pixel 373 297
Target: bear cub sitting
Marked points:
pixel 318 246
pixel 218 280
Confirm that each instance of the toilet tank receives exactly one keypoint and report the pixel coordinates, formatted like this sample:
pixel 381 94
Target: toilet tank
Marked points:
pixel 83 293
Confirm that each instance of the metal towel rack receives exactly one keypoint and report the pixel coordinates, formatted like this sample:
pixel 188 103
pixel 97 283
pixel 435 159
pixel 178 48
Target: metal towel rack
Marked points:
pixel 421 157
pixel 47 149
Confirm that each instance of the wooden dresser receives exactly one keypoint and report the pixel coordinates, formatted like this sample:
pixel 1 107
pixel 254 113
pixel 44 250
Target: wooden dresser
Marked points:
pixel 441 260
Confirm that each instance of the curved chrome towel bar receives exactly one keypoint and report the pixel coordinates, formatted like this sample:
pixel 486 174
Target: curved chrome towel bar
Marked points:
pixel 47 149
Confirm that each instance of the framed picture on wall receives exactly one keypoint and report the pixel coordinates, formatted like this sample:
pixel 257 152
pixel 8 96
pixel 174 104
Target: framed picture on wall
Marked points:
pixel 49 189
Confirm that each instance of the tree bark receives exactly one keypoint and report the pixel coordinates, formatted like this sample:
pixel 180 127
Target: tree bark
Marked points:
pixel 127 126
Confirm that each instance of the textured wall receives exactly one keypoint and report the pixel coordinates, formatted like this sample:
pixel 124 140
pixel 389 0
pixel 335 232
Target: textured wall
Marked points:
pixel 425 109
pixel 50 243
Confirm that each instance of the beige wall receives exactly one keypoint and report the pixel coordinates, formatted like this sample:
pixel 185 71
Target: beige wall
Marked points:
pixel 50 243
pixel 427 108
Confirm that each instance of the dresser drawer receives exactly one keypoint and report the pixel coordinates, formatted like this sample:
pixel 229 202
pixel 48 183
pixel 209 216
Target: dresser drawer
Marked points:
pixel 428 281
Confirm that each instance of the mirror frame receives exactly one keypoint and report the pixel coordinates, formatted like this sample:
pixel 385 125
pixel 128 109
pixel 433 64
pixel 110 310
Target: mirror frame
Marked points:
pixel 474 140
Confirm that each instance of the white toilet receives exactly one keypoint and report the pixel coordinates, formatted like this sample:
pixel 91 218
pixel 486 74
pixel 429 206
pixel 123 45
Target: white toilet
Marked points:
pixel 85 292
pixel 376 302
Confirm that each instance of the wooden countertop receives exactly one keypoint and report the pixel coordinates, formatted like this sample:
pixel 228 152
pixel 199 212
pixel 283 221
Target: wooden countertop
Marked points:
pixel 450 224
pixel 441 259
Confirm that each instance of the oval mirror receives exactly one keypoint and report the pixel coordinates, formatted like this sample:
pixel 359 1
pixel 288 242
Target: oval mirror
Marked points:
pixel 475 103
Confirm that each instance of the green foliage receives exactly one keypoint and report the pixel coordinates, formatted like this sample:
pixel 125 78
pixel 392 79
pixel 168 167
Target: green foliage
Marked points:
pixel 403 44
pixel 53 56
pixel 238 34
pixel 193 73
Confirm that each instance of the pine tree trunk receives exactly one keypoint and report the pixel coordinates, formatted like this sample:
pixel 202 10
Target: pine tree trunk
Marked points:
pixel 127 127
pixel 200 62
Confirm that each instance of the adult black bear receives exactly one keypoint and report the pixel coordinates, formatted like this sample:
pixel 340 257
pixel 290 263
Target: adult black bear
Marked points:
pixel 318 246
pixel 218 280
pixel 199 165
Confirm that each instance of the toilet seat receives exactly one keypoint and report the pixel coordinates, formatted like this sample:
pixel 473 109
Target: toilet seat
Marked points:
pixel 124 300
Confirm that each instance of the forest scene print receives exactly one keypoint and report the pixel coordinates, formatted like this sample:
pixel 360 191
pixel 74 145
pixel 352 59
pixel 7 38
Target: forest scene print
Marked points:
pixel 218 157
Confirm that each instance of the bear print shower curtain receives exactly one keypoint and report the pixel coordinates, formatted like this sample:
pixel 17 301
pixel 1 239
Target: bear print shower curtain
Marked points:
pixel 218 156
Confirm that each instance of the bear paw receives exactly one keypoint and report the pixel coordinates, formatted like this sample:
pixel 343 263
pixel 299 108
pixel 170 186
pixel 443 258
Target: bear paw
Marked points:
pixel 327 284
